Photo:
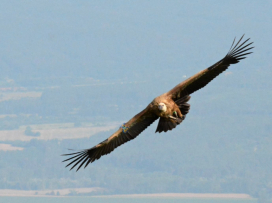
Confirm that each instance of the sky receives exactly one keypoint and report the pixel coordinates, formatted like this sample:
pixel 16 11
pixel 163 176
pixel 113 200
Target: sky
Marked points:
pixel 115 39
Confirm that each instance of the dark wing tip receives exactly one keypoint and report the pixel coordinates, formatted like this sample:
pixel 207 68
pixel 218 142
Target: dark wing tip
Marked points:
pixel 82 157
pixel 240 49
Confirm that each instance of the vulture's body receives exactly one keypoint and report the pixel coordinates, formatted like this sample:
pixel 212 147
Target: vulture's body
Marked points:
pixel 170 107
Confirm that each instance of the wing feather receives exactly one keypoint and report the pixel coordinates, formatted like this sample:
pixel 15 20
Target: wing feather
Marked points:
pixel 125 133
pixel 201 79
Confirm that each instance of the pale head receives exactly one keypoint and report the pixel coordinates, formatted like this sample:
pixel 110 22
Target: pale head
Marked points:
pixel 162 107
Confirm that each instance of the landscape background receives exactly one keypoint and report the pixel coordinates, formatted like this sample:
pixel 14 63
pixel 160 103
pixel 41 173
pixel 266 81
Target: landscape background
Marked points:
pixel 73 71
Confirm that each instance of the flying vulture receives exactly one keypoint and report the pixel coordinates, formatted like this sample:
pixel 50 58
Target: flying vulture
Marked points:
pixel 171 107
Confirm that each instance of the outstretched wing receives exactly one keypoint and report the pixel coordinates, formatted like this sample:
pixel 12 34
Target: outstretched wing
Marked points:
pixel 125 133
pixel 201 79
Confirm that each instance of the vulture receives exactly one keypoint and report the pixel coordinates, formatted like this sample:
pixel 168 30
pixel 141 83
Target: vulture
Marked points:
pixel 170 107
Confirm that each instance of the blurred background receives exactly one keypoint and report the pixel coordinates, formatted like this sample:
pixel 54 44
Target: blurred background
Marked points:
pixel 73 71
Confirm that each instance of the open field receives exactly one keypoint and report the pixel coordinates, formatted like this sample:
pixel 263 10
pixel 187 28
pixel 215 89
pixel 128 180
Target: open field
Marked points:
pixel 42 193
pixel 67 191
pixel 6 96
pixel 121 200
pixel 186 195
pixel 55 131
pixel 9 147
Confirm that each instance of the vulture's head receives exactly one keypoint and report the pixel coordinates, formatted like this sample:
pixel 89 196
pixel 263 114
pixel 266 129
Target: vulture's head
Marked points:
pixel 162 107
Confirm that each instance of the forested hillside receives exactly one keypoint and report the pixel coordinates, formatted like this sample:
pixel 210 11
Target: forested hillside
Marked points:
pixel 222 147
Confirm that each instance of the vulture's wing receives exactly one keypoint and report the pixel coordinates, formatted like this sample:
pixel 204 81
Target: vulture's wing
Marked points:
pixel 199 80
pixel 126 132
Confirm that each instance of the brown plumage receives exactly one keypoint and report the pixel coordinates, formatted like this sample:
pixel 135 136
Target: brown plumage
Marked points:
pixel 171 107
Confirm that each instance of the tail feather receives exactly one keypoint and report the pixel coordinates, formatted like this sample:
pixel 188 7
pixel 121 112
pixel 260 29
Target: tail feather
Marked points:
pixel 166 124
pixel 184 107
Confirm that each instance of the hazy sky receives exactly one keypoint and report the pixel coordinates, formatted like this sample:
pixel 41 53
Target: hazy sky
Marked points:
pixel 105 39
